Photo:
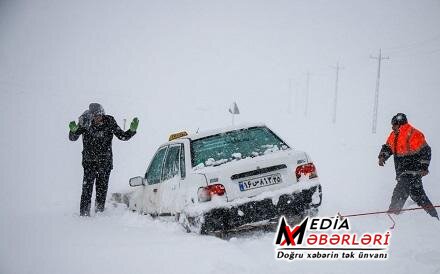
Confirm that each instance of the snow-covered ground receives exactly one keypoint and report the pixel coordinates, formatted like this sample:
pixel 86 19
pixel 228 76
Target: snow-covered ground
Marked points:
pixel 122 242
pixel 41 231
pixel 179 65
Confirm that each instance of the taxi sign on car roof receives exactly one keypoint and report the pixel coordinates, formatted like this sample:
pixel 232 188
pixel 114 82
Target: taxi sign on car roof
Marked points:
pixel 177 135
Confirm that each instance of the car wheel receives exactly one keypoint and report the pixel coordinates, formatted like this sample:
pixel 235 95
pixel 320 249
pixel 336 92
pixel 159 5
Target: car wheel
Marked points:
pixel 191 224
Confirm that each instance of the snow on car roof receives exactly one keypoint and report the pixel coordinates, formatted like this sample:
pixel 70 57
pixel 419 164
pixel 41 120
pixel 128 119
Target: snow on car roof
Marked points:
pixel 207 133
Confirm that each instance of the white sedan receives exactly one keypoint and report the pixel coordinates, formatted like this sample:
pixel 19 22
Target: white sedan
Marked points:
pixel 226 179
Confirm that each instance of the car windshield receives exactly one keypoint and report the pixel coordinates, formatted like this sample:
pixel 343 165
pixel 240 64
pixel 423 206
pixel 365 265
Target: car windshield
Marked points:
pixel 234 145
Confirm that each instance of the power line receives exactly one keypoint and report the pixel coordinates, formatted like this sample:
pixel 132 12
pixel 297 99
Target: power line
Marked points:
pixel 420 54
pixel 414 45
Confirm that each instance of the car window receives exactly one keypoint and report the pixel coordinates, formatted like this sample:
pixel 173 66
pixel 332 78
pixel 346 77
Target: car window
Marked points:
pixel 182 161
pixel 171 166
pixel 154 172
pixel 234 145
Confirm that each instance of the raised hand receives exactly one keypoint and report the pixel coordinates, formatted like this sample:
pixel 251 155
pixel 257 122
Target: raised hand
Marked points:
pixel 73 126
pixel 134 124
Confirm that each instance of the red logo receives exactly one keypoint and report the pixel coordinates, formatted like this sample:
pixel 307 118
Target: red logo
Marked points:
pixel 328 238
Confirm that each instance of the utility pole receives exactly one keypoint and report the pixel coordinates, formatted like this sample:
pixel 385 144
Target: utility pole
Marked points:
pixel 306 108
pixel 379 59
pixel 125 122
pixel 335 99
pixel 289 102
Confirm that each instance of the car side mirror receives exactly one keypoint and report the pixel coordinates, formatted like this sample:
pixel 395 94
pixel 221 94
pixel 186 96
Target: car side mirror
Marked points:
pixel 137 181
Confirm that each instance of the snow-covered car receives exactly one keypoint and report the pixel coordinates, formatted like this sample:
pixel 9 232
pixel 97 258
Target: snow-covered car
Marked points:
pixel 226 179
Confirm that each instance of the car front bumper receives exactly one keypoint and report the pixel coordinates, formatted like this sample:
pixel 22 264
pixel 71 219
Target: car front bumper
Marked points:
pixel 289 205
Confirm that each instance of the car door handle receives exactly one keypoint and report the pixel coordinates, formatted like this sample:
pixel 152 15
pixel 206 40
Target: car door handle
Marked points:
pixel 154 190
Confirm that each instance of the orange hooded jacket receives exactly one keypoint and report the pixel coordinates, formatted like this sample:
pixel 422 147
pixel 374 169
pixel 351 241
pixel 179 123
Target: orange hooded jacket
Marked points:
pixel 408 141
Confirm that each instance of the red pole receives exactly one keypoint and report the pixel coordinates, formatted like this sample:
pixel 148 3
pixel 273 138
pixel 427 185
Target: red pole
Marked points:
pixel 387 212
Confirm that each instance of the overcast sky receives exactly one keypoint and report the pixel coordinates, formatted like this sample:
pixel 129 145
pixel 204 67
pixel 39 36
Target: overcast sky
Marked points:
pixel 219 50
pixel 179 64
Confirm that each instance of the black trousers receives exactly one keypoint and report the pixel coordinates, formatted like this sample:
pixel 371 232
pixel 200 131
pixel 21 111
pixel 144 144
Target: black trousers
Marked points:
pixel 98 174
pixel 410 185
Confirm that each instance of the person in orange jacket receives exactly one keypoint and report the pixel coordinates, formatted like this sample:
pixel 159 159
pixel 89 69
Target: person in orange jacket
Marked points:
pixel 412 156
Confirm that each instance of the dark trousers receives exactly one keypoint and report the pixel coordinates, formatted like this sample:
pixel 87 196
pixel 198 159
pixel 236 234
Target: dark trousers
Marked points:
pixel 98 174
pixel 410 185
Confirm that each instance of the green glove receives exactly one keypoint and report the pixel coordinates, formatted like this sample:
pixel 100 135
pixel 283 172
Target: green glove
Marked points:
pixel 134 124
pixel 73 126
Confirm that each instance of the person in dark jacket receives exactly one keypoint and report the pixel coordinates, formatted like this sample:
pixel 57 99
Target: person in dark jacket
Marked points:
pixel 412 156
pixel 97 130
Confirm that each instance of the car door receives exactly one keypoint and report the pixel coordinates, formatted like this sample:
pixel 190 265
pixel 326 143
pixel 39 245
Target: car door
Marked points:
pixel 171 178
pixel 153 177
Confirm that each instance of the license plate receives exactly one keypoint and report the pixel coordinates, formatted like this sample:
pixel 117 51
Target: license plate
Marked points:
pixel 260 182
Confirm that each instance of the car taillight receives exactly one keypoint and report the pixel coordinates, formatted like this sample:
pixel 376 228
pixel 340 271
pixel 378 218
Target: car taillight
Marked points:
pixel 205 193
pixel 306 170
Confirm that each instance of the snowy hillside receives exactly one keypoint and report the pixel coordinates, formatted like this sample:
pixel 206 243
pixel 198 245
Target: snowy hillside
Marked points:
pixel 178 65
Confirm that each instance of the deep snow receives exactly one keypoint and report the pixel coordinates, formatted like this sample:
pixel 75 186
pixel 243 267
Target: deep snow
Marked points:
pixel 50 237
pixel 179 65
pixel 120 241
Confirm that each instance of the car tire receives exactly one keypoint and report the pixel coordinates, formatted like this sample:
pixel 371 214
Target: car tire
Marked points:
pixel 191 224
